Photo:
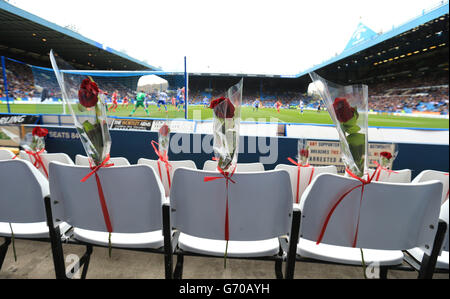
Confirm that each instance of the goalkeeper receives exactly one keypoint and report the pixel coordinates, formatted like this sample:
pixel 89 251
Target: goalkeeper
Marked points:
pixel 140 99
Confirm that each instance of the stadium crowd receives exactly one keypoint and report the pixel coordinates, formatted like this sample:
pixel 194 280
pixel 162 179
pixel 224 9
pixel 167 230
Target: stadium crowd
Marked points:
pixel 424 95
pixel 407 96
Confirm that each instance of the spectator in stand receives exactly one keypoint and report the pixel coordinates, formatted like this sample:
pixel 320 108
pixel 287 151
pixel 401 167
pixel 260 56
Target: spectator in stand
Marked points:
pixel 425 94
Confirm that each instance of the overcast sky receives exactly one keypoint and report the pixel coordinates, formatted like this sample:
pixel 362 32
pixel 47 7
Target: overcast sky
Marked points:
pixel 238 36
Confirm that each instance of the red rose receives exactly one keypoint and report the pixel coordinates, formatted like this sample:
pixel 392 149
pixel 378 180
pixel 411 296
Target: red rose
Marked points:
pixel 164 130
pixel 88 93
pixel 40 132
pixel 304 153
pixel 386 155
pixel 343 110
pixel 223 108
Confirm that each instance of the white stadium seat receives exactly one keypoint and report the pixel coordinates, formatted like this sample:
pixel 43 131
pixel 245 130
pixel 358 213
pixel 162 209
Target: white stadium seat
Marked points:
pixel 84 161
pixel 397 176
pixel 305 175
pixel 417 253
pixel 46 159
pixel 211 165
pixel 428 175
pixel 162 166
pixel 134 198
pixel 260 212
pixel 23 189
pixel 442 260
pixel 393 217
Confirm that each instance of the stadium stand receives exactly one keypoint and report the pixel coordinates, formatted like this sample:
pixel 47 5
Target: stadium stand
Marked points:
pixel 415 95
pixel 406 68
pixel 262 210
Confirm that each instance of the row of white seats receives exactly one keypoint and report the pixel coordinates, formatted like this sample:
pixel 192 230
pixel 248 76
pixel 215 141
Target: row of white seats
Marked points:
pixel 306 173
pixel 394 216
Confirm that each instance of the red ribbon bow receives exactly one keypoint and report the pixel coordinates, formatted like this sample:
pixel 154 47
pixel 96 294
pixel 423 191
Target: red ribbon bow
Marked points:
pixel 100 190
pixel 37 159
pixel 380 168
pixel 227 176
pixel 163 157
pixel 298 176
pixel 327 219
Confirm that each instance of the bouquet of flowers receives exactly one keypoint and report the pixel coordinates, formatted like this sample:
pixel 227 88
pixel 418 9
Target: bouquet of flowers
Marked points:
pixel 164 139
pixel 35 141
pixel 34 145
pixel 87 104
pixel 302 162
pixel 163 152
pixel 227 117
pixel 385 162
pixel 348 108
pixel 89 112
pixel 386 159
pixel 303 152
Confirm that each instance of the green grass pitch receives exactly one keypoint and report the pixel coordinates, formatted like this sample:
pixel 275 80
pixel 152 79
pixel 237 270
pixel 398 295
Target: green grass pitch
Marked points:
pixel 263 115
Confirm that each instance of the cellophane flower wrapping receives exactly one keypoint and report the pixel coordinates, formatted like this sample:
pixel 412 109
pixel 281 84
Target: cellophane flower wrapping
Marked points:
pixel 87 105
pixel 164 139
pixel 226 125
pixel 387 158
pixel 34 141
pixel 348 108
pixel 303 151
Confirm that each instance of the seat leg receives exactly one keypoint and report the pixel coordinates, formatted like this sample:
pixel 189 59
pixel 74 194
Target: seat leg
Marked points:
pixel 4 250
pixel 278 268
pixel 86 262
pixel 428 264
pixel 55 240
pixel 293 241
pixel 58 254
pixel 168 264
pixel 383 272
pixel 168 247
pixel 178 273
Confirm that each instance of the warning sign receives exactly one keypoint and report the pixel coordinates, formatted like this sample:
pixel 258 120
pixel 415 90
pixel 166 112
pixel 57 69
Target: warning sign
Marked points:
pixel 323 153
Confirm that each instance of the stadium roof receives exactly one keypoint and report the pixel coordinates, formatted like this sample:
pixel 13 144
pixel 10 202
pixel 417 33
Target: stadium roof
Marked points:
pixel 417 49
pixel 369 52
pixel 439 12
pixel 29 36
pixel 427 16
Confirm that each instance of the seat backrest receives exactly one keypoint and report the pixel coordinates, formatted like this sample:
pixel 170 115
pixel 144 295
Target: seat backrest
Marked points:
pixel 133 197
pixel 305 174
pixel 444 216
pixel 22 192
pixel 240 167
pixel 47 158
pixel 6 154
pixel 428 175
pixel 398 176
pixel 260 204
pixel 57 157
pixel 84 161
pixel 163 175
pixel 393 216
